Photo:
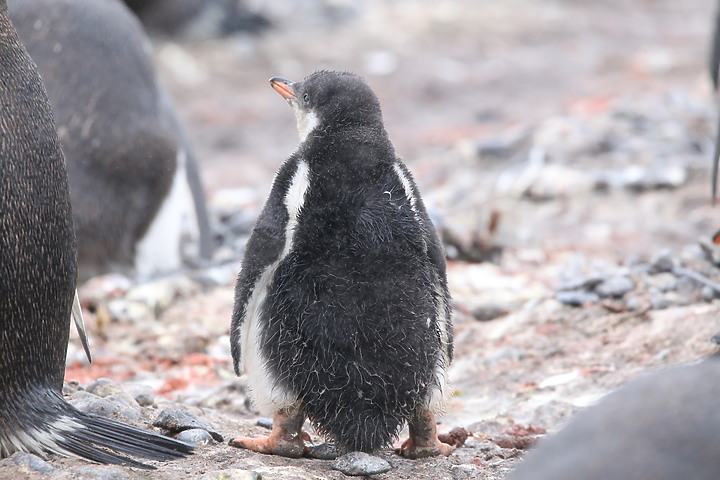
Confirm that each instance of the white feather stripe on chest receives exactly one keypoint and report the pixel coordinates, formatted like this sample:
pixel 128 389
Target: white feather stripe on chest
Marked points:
pixel 266 393
pixel 407 186
pixel 294 200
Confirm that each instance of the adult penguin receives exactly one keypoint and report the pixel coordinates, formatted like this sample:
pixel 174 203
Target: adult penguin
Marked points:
pixel 37 284
pixel 661 426
pixel 198 19
pixel 137 197
pixel 342 311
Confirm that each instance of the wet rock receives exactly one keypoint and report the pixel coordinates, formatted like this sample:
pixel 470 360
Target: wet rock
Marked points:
pixel 359 463
pixel 576 298
pixel 176 420
pixel 233 474
pixel 322 451
pixel 29 462
pixel 195 436
pixel 615 286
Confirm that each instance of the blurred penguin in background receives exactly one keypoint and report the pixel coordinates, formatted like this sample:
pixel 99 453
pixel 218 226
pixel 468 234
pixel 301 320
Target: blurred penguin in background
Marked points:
pixel 137 197
pixel 198 19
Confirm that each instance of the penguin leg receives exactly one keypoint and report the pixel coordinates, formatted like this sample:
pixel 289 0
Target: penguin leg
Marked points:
pixel 423 441
pixel 285 439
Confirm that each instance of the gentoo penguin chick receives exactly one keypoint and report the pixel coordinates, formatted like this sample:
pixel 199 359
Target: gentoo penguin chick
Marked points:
pixel 663 426
pixel 342 311
pixel 137 198
pixel 37 284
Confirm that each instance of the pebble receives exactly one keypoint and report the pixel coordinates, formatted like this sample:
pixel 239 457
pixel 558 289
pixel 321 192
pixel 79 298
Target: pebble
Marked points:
pixel 489 311
pixel 664 281
pixel 264 422
pixel 662 262
pixel 360 463
pixel 709 294
pixel 576 298
pixel 659 301
pixel 100 472
pixel 31 462
pixel 232 474
pixel 615 286
pixel 115 407
pixel 505 353
pixel 158 295
pixel 104 387
pixel 176 420
pixel 126 311
pixel 322 451
pixel 195 436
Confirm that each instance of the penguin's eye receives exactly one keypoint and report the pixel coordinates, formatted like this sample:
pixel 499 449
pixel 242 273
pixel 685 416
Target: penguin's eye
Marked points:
pixel 306 98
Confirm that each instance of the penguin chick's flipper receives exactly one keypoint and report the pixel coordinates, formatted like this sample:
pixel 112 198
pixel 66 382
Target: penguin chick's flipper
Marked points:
pixel 286 438
pixel 77 317
pixel 423 441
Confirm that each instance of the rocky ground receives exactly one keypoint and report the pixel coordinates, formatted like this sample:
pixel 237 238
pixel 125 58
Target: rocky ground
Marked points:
pixel 563 148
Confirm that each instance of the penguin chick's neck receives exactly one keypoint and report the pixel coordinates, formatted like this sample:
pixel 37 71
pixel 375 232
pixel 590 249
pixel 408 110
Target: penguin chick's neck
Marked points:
pixel 307 120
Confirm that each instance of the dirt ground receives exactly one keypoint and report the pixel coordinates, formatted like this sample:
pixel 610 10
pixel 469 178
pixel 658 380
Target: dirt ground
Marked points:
pixel 471 90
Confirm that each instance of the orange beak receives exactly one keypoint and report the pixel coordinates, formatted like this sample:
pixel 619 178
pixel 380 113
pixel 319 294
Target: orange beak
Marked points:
pixel 282 86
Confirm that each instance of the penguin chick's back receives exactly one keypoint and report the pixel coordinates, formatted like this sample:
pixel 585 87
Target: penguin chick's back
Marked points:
pixel 354 321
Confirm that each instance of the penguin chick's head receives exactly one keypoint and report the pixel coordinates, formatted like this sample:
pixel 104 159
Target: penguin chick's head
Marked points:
pixel 330 101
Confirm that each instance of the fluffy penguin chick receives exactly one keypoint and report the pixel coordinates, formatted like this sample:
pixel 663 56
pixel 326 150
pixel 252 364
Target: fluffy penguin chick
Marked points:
pixel 342 311
pixel 37 284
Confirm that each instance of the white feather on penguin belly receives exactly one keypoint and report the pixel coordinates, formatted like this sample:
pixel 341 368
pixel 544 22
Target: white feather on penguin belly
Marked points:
pixel 269 395
pixel 174 234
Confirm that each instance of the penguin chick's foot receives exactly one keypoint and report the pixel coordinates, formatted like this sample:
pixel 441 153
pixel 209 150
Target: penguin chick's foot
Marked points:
pixel 423 441
pixel 285 439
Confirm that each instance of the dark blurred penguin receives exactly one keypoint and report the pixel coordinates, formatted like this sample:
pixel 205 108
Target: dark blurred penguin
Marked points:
pixel 342 311
pixel 714 73
pixel 138 202
pixel 660 427
pixel 198 19
pixel 37 284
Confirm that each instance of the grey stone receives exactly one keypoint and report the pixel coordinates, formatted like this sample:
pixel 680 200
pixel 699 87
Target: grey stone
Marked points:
pixel 576 298
pixel 322 451
pixel 264 422
pixel 145 399
pixel 663 262
pixel 232 474
pixel 505 353
pixel 195 436
pixel 103 387
pixel 32 462
pixel 709 294
pixel 615 286
pixel 176 420
pixel 101 472
pixel 360 463
pixel 489 311
pixel 659 301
